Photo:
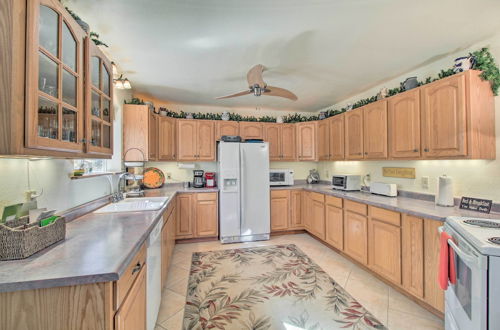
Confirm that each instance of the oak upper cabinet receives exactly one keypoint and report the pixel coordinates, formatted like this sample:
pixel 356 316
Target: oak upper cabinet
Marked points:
pixel 413 255
pixel 167 145
pixel 206 214
pixel 132 312
pixel 375 130
pixel 136 132
pixel 153 136
pixel 307 141
pixel 354 134
pixel 281 139
pixel 55 109
pixel 280 209
pixel 356 231
pixel 324 139
pixel 317 217
pixel 334 222
pixel 404 125
pixel 296 221
pixel 288 142
pixel 222 127
pixel 167 240
pixel 444 121
pixel 337 137
pixel 251 130
pixel 384 243
pixel 184 224
pixel 195 140
pixel 272 135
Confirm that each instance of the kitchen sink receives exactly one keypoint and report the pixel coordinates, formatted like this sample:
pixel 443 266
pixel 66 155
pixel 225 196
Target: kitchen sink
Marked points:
pixel 134 205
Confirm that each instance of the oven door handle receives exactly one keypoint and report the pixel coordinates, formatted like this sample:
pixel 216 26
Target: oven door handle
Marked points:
pixel 471 260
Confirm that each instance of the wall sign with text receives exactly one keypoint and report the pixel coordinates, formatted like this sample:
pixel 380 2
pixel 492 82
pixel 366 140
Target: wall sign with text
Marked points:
pixel 476 204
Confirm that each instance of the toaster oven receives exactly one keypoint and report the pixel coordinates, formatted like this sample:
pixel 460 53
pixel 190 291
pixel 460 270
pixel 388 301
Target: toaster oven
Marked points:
pixel 347 182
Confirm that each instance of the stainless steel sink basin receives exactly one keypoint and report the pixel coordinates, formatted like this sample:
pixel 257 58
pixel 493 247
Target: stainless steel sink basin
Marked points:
pixel 134 205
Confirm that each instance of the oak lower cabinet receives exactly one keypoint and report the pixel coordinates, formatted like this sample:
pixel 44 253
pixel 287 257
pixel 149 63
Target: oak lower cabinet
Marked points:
pixel 384 243
pixel 280 210
pixel 307 141
pixel 433 295
pixel 334 222
pixel 354 134
pixel 197 215
pixel 317 218
pixel 251 130
pixel 413 255
pixel 356 231
pixel 167 240
pixel 132 313
pixel 222 127
pixel 306 209
pixel 195 140
pixel 206 215
pixel 296 221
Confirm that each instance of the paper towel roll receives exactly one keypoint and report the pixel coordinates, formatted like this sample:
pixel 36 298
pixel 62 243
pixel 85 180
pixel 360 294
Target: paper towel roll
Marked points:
pixel 444 195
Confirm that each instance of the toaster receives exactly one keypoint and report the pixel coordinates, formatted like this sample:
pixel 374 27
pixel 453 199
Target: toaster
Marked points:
pixel 385 189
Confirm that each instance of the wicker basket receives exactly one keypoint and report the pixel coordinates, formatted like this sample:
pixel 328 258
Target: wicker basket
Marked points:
pixel 17 242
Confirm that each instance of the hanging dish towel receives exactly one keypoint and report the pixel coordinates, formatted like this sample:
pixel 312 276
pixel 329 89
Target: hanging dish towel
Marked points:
pixel 447 269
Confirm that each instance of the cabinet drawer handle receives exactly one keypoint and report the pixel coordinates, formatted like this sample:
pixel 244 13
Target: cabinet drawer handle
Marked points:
pixel 136 268
pixel 415 150
pixel 426 150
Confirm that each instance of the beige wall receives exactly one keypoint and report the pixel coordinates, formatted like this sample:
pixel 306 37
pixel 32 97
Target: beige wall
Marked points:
pixel 52 175
pixel 477 178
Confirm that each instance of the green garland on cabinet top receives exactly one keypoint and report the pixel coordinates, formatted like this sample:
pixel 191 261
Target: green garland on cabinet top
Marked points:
pixel 484 62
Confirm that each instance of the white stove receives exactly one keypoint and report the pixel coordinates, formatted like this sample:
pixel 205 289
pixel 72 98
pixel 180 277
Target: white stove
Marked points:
pixel 478 232
pixel 474 300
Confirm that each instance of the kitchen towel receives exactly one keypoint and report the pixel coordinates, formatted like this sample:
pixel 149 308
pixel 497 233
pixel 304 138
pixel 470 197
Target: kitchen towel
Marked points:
pixel 447 271
pixel 444 195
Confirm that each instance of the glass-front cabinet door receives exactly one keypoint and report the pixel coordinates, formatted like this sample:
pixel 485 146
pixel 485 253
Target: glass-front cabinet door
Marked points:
pixel 55 77
pixel 99 96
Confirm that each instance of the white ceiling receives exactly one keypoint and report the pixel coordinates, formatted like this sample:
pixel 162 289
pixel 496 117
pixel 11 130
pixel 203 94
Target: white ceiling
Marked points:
pixel 190 51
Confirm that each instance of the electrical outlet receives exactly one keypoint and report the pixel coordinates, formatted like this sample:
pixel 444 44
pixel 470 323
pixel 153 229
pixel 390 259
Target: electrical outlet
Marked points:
pixel 425 182
pixel 169 175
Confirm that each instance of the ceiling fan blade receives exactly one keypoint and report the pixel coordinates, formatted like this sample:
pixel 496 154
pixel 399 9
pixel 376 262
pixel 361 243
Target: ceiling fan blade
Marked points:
pixel 234 95
pixel 281 92
pixel 254 76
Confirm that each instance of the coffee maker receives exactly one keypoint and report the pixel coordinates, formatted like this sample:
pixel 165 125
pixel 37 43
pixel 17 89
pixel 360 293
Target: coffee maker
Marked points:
pixel 198 181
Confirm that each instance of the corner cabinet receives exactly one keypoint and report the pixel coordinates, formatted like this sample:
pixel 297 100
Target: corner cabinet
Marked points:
pixel 56 86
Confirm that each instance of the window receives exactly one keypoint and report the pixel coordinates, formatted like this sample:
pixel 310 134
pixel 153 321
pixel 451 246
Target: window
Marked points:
pixel 91 166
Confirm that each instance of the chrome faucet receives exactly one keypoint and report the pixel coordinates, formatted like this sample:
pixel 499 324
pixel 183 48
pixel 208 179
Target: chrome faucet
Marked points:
pixel 120 193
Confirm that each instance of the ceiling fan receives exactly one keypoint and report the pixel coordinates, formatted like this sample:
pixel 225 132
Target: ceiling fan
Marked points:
pixel 258 87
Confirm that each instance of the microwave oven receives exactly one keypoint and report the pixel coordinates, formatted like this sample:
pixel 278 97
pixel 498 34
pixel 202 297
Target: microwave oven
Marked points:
pixel 280 177
pixel 347 182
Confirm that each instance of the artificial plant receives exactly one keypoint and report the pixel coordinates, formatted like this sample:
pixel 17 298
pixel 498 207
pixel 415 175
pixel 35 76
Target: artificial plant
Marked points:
pixel 485 62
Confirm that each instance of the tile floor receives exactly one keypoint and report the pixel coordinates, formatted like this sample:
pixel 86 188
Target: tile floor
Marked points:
pixel 389 306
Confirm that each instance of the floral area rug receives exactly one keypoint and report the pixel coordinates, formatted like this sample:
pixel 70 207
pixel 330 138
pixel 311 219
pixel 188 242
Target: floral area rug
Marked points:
pixel 272 287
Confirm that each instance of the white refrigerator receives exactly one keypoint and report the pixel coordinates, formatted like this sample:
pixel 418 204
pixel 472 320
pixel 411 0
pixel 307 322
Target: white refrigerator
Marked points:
pixel 244 209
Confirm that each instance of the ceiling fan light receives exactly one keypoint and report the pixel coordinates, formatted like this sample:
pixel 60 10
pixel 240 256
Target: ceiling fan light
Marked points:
pixel 119 84
pixel 126 84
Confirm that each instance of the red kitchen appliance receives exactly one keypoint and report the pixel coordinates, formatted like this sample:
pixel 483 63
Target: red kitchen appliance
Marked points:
pixel 210 180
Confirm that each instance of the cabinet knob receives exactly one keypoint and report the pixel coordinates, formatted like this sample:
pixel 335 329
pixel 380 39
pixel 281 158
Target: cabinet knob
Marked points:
pixel 136 268
pixel 366 153
pixel 360 153
pixel 426 150
pixel 415 150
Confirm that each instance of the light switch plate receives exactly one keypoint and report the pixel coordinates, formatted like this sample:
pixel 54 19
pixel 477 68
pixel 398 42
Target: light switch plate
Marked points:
pixel 425 182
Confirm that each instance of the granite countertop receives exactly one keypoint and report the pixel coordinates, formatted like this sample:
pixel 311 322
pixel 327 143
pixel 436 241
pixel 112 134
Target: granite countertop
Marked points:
pixel 412 206
pixel 98 247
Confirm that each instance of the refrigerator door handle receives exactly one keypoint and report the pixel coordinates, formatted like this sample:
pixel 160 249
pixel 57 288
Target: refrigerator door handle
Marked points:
pixel 242 191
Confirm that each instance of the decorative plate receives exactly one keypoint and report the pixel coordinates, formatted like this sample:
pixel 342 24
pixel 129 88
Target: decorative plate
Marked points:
pixel 153 178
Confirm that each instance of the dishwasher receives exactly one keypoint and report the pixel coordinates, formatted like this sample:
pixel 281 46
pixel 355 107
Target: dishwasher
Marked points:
pixel 153 284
